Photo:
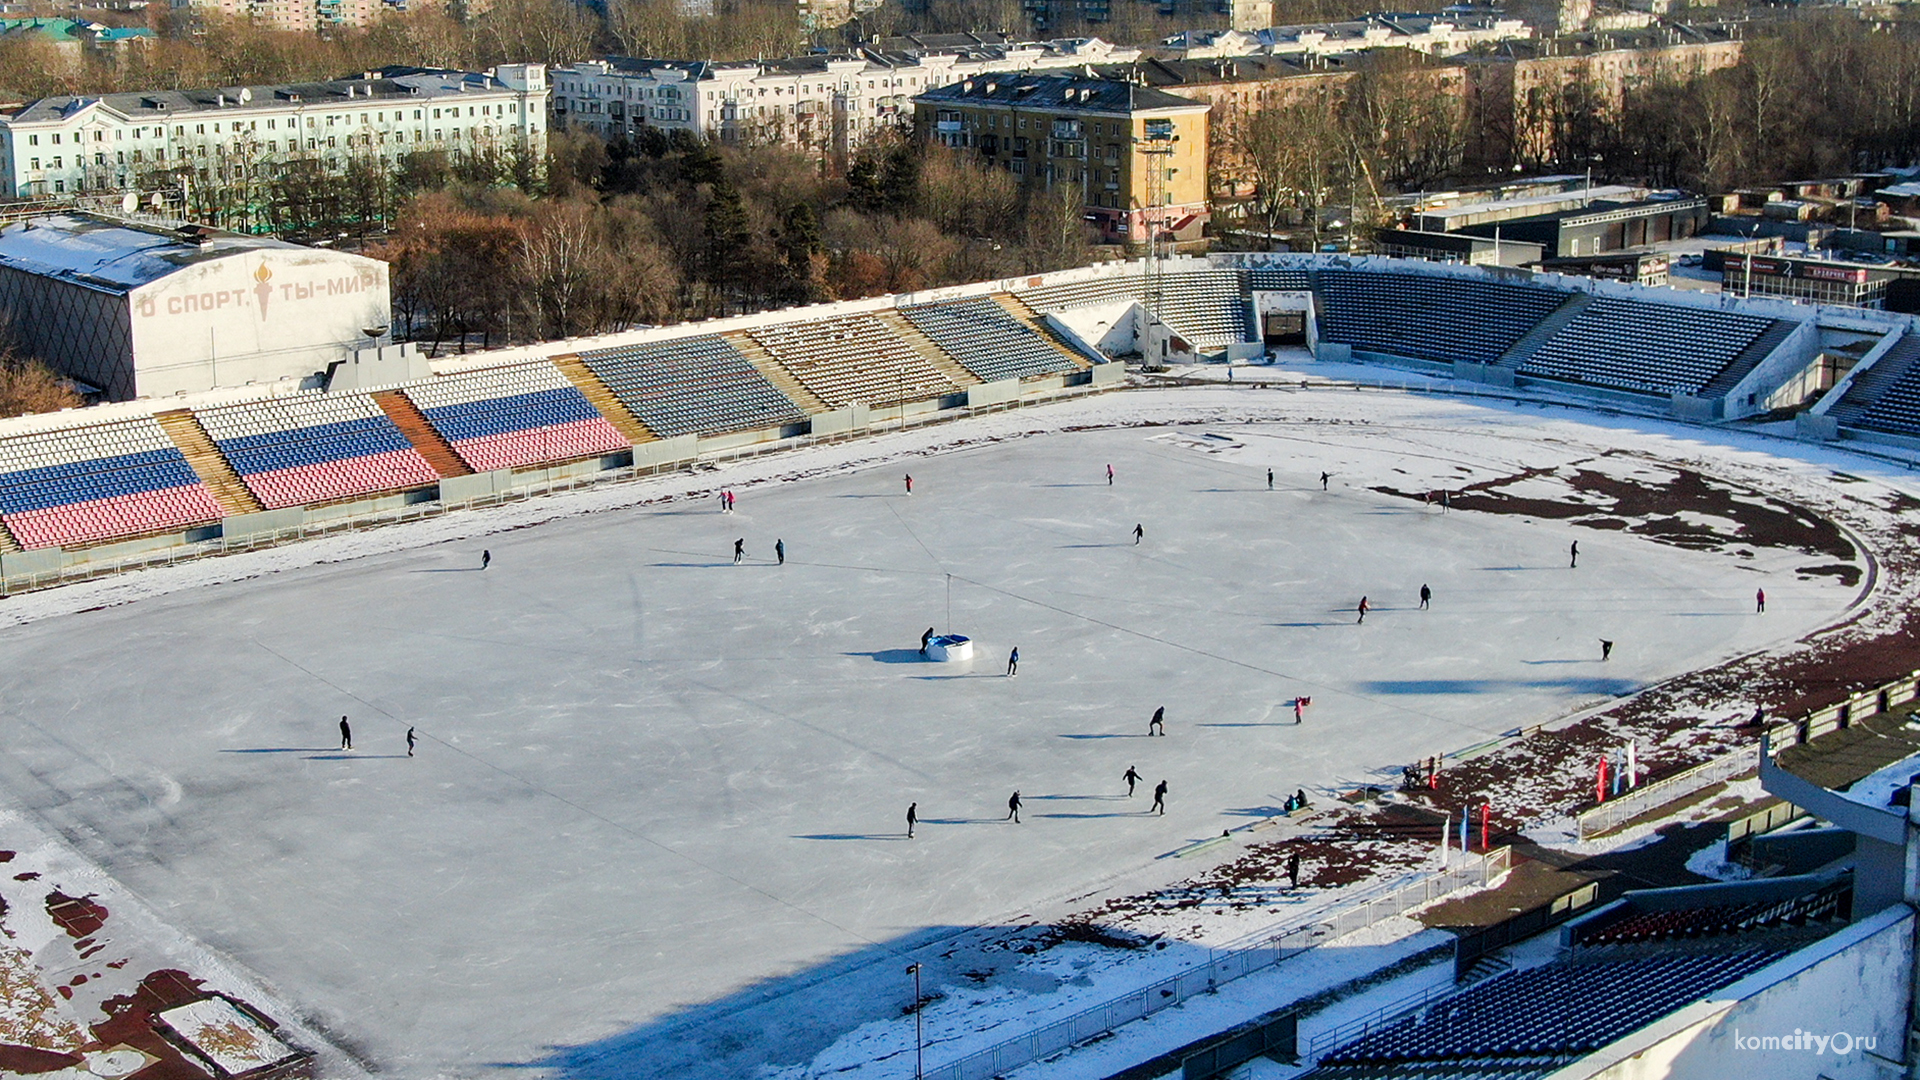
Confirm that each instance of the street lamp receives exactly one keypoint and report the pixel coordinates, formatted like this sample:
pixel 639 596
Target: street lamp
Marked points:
pixel 919 1040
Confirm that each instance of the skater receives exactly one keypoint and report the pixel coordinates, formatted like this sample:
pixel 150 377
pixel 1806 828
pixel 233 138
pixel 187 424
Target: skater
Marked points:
pixel 1269 479
pixel 1426 597
pixel 1606 648
pixel 739 550
pixel 485 558
pixel 1324 477
pixel 1013 662
pixel 1299 710
pixel 1363 611
pixel 1759 601
pixel 346 735
pixel 1132 777
pixel 913 818
pixel 1157 725
pixel 1159 799
pixel 924 638
pixel 1759 714
pixel 1574 561
pixel 1293 870
pixel 1443 500
pixel 1300 798
pixel 780 551
pixel 1109 476
pixel 909 483
pixel 1138 534
pixel 409 742
pixel 1013 808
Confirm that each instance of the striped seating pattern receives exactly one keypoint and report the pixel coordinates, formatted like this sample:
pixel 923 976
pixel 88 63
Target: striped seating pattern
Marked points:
pixel 315 448
pixel 1645 347
pixel 691 386
pixel 986 340
pixel 82 486
pixel 854 358
pixel 514 417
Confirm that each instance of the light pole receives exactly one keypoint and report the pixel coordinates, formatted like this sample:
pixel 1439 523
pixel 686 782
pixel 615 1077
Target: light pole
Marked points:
pixel 919 1040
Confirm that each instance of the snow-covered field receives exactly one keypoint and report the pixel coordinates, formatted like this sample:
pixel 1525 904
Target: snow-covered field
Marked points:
pixel 656 815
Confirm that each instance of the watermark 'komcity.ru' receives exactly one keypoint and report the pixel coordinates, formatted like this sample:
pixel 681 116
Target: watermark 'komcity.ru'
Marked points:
pixel 1840 1043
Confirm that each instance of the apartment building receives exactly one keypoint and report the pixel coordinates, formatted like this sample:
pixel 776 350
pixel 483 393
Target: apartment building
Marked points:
pixel 65 145
pixel 1130 151
pixel 828 104
pixel 1432 34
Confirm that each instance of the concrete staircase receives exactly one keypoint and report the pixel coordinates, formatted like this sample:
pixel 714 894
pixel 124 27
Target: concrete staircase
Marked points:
pixel 776 372
pixel 405 416
pixel 7 544
pixel 603 399
pixel 931 353
pixel 208 463
pixel 1524 349
pixel 1022 311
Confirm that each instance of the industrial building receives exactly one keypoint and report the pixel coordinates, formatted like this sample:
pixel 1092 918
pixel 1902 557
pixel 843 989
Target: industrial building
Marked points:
pixel 1602 225
pixel 143 311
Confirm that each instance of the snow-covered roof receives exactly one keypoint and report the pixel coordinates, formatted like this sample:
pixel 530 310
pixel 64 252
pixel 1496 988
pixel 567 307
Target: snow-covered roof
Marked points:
pixel 115 256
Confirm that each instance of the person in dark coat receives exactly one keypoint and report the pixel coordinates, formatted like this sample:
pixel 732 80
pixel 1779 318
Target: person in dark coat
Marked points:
pixel 1324 477
pixel 739 550
pixel 1132 777
pixel 1573 555
pixel 1157 725
pixel 1013 808
pixel 780 551
pixel 1363 611
pixel 1606 648
pixel 1269 479
pixel 1159 799
pixel 409 742
pixel 1426 597
pixel 913 818
pixel 485 558
pixel 1013 662
pixel 924 638
pixel 1293 870
pixel 1138 534
pixel 346 735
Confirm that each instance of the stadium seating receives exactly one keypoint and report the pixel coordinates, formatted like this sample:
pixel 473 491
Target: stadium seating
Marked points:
pixel 853 358
pixel 514 417
pixel 1207 307
pixel 1279 279
pixel 1886 397
pixel 110 481
pixel 1645 347
pixel 1819 905
pixel 315 448
pixel 1559 1008
pixel 1442 318
pixel 691 386
pixel 986 340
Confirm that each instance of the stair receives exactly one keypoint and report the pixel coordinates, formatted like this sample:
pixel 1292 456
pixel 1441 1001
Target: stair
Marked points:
pixel 1871 385
pixel 7 544
pixel 933 354
pixel 1750 357
pixel 1524 349
pixel 603 399
pixel 1030 318
pixel 776 372
pixel 406 416
pixel 208 463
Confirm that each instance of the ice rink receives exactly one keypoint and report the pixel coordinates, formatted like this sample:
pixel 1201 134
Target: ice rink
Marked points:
pixel 648 778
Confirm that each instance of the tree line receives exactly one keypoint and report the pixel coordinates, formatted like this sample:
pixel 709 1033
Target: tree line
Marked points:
pixel 672 228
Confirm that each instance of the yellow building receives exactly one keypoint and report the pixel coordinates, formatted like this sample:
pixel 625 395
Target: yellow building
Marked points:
pixel 1105 138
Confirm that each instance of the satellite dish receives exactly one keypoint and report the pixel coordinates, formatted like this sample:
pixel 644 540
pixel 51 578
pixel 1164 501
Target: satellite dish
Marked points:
pixel 157 202
pixel 246 94
pixel 129 202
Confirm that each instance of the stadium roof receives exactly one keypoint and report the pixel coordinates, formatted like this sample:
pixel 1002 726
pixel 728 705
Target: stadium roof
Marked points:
pixel 115 256
pixel 1062 92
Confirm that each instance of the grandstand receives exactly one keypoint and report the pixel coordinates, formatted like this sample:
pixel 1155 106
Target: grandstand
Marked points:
pixel 1630 924
pixel 315 448
pixel 988 341
pixel 1652 348
pixel 691 386
pixel 1886 397
pixel 514 417
pixel 1438 318
pixel 1208 307
pixel 1531 1022
pixel 854 358
pixel 88 484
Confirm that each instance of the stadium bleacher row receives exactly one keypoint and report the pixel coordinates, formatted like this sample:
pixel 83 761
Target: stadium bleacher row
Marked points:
pixel 1645 347
pixel 1207 307
pixel 1820 905
pixel 692 385
pixel 986 340
pixel 1429 317
pixel 853 358
pixel 89 484
pixel 514 417
pixel 315 448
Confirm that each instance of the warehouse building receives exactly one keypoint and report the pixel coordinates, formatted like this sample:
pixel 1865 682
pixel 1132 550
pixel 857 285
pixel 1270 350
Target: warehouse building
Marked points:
pixel 144 311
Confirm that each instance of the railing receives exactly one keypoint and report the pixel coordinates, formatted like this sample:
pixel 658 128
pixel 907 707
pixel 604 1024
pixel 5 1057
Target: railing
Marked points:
pixel 1256 953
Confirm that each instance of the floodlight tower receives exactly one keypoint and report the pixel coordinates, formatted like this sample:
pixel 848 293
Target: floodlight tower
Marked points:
pixel 1156 145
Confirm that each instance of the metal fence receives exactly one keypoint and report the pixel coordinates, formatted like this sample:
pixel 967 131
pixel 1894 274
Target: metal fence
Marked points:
pixel 1661 792
pixel 1255 953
